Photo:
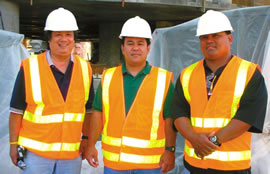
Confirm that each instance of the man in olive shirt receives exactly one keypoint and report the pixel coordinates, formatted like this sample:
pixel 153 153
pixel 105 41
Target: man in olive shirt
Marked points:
pixel 132 109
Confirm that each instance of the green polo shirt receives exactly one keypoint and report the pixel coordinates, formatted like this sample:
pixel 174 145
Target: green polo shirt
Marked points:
pixel 131 86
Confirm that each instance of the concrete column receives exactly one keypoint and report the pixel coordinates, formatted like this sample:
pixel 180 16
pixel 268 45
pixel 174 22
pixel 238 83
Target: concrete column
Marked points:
pixel 109 43
pixel 9 19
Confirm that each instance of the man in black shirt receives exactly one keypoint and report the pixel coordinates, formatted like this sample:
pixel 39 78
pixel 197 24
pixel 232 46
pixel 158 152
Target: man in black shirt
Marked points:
pixel 217 102
pixel 51 103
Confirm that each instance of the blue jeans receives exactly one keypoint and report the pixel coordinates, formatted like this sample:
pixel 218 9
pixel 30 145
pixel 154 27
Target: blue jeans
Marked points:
pixel 135 171
pixel 37 164
pixel 186 171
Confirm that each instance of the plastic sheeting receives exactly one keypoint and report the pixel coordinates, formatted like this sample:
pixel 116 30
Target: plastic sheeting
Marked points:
pixel 11 54
pixel 176 47
pixel 261 142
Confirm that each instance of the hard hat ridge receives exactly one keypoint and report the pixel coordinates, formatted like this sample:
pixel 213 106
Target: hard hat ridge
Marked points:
pixel 61 20
pixel 213 22
pixel 136 27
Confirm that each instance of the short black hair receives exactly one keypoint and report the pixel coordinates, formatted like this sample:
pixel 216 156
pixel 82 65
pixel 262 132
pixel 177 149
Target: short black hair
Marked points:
pixel 228 32
pixel 123 41
pixel 48 35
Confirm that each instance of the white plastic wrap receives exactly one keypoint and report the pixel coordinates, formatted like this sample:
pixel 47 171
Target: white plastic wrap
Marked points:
pixel 11 54
pixel 261 142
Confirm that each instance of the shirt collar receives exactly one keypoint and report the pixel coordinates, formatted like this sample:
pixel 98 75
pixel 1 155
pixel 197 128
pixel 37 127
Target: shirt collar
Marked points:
pixel 219 70
pixel 145 70
pixel 49 59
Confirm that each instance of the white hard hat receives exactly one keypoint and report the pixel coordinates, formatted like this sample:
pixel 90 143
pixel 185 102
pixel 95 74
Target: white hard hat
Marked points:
pixel 213 22
pixel 136 27
pixel 61 20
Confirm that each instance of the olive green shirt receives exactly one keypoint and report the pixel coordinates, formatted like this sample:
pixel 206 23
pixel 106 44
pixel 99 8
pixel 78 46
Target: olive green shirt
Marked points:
pixel 131 86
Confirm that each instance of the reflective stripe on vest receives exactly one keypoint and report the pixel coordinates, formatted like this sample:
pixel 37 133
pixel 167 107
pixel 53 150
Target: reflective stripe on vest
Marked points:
pixel 133 142
pixel 160 90
pixel 185 80
pixel 238 92
pixel 37 117
pixel 40 146
pixel 209 122
pixel 239 85
pixel 144 159
pixel 105 96
pixel 35 83
pixel 222 156
pixel 53 118
pixel 85 74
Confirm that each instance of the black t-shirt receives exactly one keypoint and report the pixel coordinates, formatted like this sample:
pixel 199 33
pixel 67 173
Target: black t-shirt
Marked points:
pixel 252 107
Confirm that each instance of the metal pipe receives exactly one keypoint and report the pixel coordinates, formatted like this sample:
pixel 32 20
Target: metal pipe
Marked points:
pixel 2 23
pixel 203 5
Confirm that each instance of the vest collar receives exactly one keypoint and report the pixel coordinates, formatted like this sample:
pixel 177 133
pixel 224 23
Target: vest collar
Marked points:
pixel 145 70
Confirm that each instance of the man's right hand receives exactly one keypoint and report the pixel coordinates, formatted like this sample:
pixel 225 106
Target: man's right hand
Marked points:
pixel 13 153
pixel 91 154
pixel 202 145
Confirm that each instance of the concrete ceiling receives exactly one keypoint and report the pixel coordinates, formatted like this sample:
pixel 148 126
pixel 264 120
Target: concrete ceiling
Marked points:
pixel 90 14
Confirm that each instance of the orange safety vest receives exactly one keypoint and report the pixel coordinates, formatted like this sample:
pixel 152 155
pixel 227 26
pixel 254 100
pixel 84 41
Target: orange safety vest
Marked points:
pixel 215 113
pixel 135 141
pixel 51 127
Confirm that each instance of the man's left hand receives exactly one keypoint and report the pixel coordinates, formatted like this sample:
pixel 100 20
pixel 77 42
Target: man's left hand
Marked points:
pixel 167 161
pixel 83 147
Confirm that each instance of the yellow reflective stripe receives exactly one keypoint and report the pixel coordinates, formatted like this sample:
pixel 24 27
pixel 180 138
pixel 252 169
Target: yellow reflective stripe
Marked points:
pixel 105 96
pixel 131 158
pixel 209 122
pixel 54 118
pixel 132 142
pixel 222 156
pixel 141 159
pixel 160 90
pixel 239 85
pixel 40 146
pixel 35 83
pixel 185 80
pixel 110 155
pixel 111 140
pixel 74 117
pixel 85 74
pixel 139 143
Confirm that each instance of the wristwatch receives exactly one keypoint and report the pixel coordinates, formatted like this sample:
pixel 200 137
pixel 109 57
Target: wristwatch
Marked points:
pixel 170 148
pixel 214 139
pixel 84 137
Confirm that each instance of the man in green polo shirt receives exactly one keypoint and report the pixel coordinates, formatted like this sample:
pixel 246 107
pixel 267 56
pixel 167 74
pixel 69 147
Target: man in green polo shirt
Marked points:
pixel 132 110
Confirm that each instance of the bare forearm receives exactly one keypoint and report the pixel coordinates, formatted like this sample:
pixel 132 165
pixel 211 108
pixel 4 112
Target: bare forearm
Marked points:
pixel 95 127
pixel 233 130
pixel 170 133
pixel 86 124
pixel 184 127
pixel 14 126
